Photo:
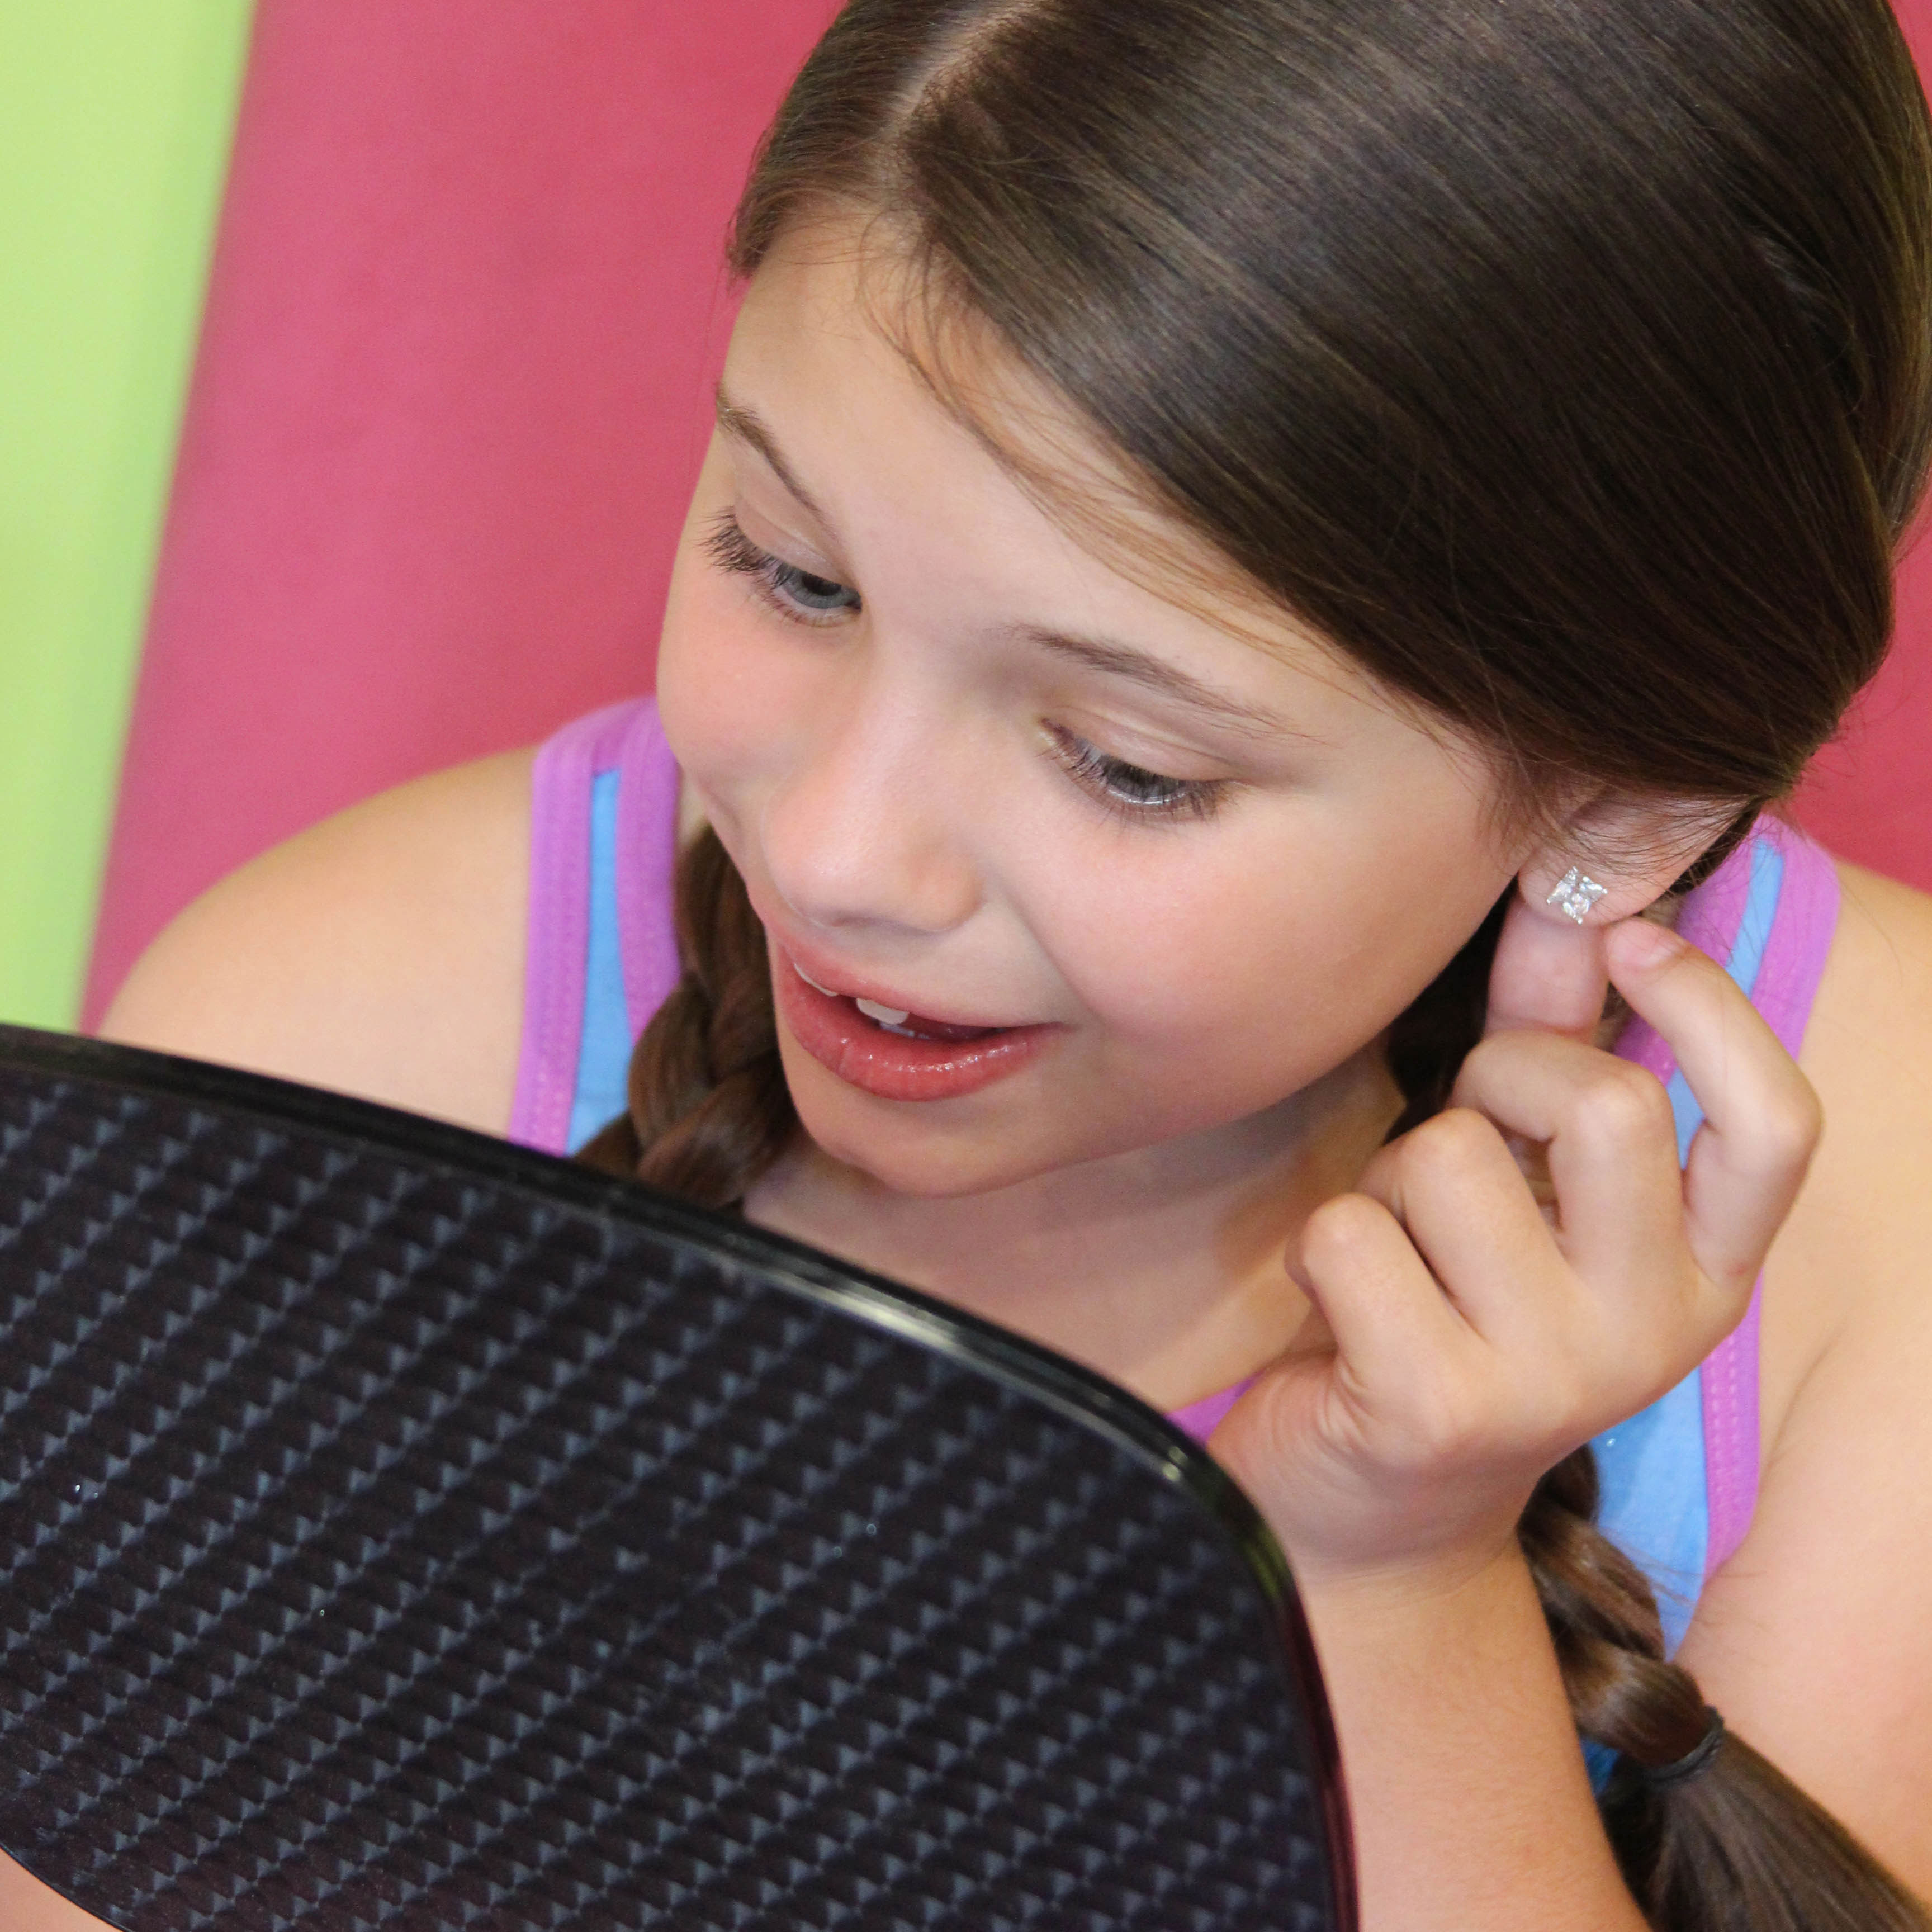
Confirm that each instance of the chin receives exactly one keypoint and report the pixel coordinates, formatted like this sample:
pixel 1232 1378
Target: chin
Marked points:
pixel 948 1149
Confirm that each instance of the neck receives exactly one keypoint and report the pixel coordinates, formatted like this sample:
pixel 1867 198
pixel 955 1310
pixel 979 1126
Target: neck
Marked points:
pixel 1162 1268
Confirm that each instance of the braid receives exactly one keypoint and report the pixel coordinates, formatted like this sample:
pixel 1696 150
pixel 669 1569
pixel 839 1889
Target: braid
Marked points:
pixel 1737 1849
pixel 710 1110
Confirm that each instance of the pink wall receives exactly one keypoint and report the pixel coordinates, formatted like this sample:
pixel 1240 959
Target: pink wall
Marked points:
pixel 450 398
pixel 1869 795
pixel 449 402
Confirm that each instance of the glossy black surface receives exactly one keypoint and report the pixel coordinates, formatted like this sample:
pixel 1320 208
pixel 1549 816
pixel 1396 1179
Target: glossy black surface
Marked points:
pixel 401 1529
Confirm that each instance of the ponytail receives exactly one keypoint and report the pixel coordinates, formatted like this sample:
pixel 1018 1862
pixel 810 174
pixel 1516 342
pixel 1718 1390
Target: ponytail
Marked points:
pixel 1738 1848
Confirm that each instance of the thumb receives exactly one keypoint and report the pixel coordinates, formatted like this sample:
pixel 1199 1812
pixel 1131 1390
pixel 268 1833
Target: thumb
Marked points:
pixel 1550 975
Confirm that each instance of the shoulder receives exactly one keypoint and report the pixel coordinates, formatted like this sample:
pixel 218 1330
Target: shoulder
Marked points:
pixel 1855 1259
pixel 1813 1637
pixel 1868 1051
pixel 380 953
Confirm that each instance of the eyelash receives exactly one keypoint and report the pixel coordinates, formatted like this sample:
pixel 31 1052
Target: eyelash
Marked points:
pixel 777 582
pixel 1114 782
pixel 1133 793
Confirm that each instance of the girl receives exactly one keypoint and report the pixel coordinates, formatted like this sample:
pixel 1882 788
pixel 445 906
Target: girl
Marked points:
pixel 1261 564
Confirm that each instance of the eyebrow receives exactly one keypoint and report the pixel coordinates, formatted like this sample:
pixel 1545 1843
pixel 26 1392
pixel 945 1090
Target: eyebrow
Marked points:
pixel 748 427
pixel 1153 673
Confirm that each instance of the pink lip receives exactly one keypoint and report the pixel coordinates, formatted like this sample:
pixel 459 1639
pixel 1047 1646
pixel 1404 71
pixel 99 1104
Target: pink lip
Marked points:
pixel 891 1066
pixel 824 971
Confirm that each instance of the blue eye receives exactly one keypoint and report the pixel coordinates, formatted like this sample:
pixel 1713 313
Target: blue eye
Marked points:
pixel 814 593
pixel 1131 791
pixel 792 592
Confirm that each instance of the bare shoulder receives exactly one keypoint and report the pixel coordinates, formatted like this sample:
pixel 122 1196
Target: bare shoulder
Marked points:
pixel 380 953
pixel 1868 1051
pixel 1813 1638
pixel 1852 1271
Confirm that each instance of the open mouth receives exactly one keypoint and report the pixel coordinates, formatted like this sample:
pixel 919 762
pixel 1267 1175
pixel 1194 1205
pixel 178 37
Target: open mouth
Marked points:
pixel 892 1052
pixel 896 1020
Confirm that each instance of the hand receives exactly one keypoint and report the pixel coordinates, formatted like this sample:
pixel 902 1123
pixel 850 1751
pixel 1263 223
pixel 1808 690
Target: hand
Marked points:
pixel 1464 1338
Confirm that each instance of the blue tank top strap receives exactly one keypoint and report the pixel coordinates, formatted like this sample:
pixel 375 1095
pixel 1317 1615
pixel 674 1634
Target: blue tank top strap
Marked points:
pixel 1655 1504
pixel 600 953
pixel 603 1049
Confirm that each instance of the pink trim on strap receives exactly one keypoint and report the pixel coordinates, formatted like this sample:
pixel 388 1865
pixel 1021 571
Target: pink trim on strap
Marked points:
pixel 646 866
pixel 1200 1419
pixel 1800 941
pixel 1709 919
pixel 1802 925
pixel 1786 986
pixel 557 943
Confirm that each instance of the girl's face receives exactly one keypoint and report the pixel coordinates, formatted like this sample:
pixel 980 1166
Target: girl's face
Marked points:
pixel 975 774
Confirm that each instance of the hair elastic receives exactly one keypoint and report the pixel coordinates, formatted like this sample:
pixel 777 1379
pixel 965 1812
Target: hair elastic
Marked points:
pixel 1693 1763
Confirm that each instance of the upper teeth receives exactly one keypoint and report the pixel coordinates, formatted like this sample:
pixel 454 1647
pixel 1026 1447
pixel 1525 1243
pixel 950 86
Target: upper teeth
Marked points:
pixel 890 1016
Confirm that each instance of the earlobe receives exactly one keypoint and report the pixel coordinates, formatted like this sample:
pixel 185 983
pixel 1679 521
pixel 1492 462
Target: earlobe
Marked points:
pixel 1558 891
pixel 1574 894
pixel 1615 857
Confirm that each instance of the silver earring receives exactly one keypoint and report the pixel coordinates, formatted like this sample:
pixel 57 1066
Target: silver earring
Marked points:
pixel 1575 895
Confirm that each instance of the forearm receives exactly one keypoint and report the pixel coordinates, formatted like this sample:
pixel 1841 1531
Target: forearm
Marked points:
pixel 1470 1804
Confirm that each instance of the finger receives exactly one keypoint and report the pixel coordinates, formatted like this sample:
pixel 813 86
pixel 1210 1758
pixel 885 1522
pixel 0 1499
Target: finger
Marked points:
pixel 1609 1145
pixel 1455 1186
pixel 1761 1117
pixel 1548 974
pixel 1392 1324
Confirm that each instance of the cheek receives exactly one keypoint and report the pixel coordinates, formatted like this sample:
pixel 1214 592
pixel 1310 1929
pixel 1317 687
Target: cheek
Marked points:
pixel 726 688
pixel 1260 966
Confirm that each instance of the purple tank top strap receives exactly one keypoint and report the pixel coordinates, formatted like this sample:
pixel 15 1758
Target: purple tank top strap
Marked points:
pixel 646 865
pixel 1782 987
pixel 556 947
pixel 1786 987
pixel 1800 941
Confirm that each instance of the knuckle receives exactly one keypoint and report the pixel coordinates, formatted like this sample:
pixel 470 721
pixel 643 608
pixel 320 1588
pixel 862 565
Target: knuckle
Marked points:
pixel 1442 1427
pixel 1791 1124
pixel 1499 1046
pixel 1340 1229
pixel 1449 1144
pixel 1622 1106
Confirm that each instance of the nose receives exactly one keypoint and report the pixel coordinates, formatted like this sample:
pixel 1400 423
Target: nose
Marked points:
pixel 873 827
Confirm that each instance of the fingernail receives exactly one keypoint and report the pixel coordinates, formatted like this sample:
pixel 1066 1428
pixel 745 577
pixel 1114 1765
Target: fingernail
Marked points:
pixel 1644 943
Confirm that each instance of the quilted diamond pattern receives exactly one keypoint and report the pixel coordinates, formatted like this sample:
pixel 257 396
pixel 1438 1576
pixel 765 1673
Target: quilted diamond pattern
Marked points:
pixel 398 1531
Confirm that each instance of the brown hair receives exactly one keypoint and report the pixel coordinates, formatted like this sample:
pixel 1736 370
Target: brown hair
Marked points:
pixel 1569 366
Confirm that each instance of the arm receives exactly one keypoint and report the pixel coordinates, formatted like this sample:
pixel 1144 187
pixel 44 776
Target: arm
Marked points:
pixel 380 953
pixel 1470 1800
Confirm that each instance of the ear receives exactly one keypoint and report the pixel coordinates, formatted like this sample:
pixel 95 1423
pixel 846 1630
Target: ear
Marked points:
pixel 1614 855
pixel 1605 862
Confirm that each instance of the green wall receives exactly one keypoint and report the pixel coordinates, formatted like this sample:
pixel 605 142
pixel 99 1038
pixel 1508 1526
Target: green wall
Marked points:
pixel 116 119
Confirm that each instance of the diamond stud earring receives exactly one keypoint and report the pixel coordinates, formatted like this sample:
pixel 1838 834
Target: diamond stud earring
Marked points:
pixel 1575 895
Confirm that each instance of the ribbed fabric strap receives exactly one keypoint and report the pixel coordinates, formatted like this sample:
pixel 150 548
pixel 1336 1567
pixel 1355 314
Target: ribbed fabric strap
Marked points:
pixel 1778 956
pixel 557 945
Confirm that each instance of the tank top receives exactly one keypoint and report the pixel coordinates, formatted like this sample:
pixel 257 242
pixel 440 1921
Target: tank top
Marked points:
pixel 1679 1479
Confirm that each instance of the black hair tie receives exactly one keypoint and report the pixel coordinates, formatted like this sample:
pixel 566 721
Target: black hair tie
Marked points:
pixel 1693 1763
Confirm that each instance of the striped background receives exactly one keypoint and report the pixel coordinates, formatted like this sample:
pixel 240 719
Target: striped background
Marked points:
pixel 352 359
